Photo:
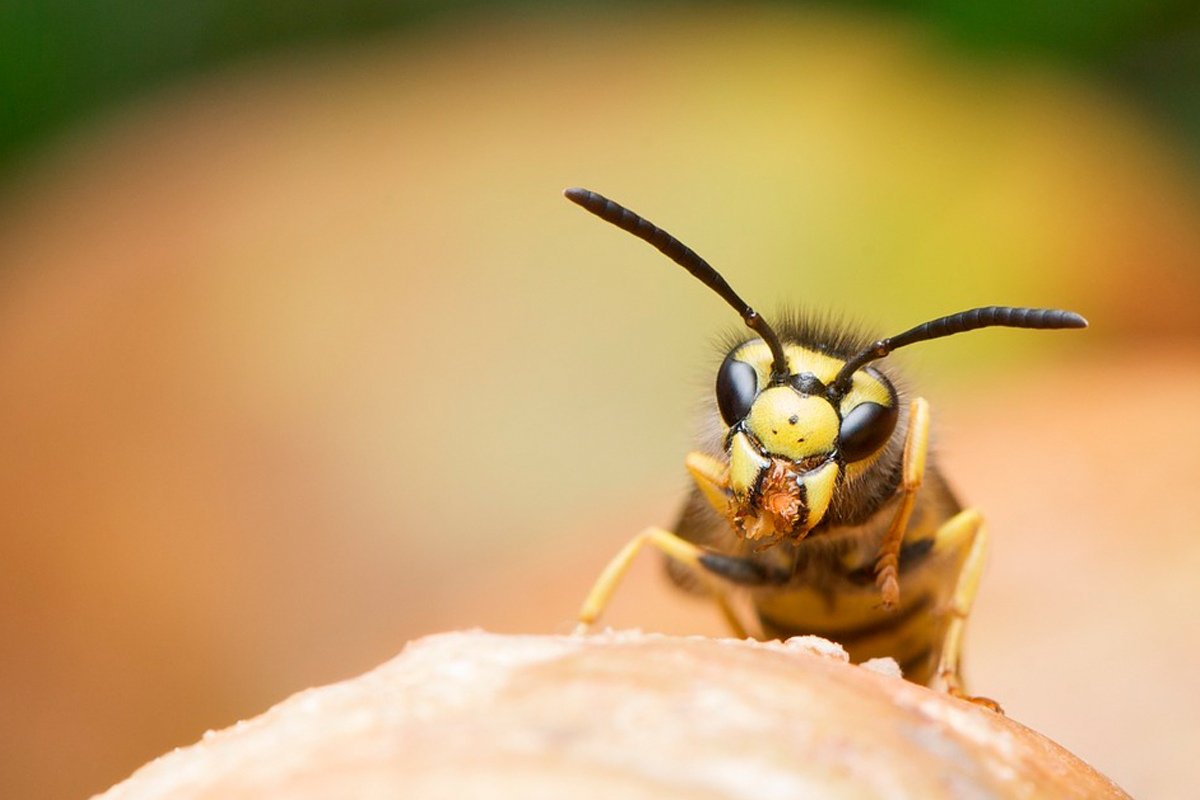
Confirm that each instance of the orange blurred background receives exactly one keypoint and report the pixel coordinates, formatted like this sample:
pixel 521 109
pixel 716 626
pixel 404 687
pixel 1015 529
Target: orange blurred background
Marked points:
pixel 307 356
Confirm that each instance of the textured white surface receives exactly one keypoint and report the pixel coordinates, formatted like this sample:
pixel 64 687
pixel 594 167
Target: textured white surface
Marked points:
pixel 620 714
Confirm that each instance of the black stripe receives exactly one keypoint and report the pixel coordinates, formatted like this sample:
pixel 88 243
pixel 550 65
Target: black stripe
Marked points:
pixel 803 518
pixel 914 552
pixel 744 571
pixel 911 556
pixel 854 634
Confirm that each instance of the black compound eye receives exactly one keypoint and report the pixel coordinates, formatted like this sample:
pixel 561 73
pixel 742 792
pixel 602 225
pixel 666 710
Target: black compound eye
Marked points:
pixel 737 386
pixel 865 429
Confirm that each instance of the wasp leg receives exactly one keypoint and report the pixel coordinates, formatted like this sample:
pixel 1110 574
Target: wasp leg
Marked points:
pixel 712 477
pixel 916 444
pixel 962 533
pixel 673 547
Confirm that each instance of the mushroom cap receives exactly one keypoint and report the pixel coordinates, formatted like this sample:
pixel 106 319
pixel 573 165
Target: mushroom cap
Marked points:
pixel 627 714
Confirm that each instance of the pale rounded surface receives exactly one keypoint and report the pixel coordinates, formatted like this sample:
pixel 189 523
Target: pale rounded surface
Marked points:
pixel 620 715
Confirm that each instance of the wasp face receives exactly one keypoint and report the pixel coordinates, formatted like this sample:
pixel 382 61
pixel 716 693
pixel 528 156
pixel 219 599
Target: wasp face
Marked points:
pixel 792 443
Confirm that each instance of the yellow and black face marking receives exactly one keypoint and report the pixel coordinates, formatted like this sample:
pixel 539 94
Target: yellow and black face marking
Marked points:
pixel 822 498
pixel 790 444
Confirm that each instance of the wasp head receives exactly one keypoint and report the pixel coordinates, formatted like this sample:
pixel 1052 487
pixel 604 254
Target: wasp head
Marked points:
pixel 801 423
pixel 792 440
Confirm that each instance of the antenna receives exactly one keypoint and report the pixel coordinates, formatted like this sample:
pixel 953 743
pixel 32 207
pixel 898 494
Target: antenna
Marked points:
pixel 687 258
pixel 987 317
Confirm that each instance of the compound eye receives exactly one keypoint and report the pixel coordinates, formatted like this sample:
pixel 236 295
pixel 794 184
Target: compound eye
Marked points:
pixel 737 386
pixel 865 429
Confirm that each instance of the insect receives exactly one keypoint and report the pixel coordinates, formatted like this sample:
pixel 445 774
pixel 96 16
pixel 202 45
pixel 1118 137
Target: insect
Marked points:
pixel 813 488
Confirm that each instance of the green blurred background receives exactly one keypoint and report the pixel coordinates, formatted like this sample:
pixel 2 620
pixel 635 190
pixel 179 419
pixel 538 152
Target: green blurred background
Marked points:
pixel 61 61
pixel 304 355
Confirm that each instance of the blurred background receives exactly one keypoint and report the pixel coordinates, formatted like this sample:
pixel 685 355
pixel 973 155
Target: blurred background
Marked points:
pixel 303 354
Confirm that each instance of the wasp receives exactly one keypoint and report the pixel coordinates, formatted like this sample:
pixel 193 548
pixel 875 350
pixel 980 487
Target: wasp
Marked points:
pixel 814 490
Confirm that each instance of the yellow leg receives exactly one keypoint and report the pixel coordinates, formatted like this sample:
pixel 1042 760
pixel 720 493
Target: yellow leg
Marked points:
pixel 916 444
pixel 668 543
pixel 964 532
pixel 712 477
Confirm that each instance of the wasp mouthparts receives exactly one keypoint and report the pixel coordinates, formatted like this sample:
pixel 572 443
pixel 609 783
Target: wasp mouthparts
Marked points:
pixel 780 496
pixel 779 510
pixel 788 501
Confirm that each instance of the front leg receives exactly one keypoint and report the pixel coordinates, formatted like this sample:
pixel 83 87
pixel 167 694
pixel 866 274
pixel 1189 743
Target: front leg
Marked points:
pixel 916 445
pixel 674 548
pixel 711 476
